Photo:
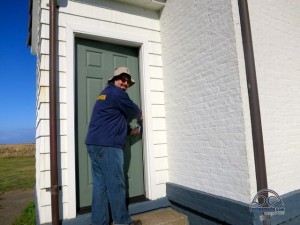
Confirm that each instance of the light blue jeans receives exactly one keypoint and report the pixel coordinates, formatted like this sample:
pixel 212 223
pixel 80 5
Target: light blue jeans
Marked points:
pixel 108 185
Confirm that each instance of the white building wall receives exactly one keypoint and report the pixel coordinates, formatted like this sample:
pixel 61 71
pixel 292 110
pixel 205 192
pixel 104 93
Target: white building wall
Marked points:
pixel 208 134
pixel 98 16
pixel 276 41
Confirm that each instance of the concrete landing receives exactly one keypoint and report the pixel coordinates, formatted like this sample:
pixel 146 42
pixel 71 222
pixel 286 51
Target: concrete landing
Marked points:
pixel 166 216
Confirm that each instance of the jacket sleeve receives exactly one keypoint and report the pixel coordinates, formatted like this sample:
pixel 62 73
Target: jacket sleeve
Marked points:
pixel 128 129
pixel 126 105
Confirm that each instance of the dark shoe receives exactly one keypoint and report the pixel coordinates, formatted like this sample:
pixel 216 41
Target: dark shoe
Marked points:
pixel 136 222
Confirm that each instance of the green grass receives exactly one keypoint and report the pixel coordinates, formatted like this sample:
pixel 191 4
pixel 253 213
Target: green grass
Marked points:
pixel 17 173
pixel 27 217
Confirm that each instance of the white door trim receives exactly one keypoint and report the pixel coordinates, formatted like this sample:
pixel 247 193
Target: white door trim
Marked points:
pixel 111 36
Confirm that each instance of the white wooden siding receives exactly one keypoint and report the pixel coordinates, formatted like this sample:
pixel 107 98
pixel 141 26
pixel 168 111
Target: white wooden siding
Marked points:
pixel 106 15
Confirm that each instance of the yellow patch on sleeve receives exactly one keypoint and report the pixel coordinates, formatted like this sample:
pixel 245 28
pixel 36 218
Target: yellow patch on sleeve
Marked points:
pixel 101 97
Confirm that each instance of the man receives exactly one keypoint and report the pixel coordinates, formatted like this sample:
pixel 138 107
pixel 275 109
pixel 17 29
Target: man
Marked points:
pixel 106 139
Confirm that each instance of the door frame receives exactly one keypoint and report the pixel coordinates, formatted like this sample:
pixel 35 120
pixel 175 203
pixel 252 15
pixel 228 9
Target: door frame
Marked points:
pixel 113 37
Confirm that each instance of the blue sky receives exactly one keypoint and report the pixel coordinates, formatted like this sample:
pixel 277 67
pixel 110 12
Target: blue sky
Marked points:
pixel 17 75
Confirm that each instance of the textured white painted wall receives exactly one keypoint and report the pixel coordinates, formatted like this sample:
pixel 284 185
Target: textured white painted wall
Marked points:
pixel 104 15
pixel 207 147
pixel 276 40
pixel 245 98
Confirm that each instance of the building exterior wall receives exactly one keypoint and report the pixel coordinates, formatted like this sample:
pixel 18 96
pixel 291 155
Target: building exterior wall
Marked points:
pixel 207 114
pixel 97 17
pixel 197 112
pixel 276 35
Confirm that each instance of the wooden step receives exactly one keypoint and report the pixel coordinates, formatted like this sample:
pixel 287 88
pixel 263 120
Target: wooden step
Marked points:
pixel 165 216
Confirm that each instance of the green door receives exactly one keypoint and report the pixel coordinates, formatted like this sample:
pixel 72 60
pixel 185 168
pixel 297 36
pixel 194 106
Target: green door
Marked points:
pixel 95 63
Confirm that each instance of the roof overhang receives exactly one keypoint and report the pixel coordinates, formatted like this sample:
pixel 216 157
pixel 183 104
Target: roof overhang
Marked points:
pixel 155 5
pixel 33 26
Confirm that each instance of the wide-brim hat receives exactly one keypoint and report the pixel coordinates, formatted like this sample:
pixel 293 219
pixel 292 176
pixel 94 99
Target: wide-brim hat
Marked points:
pixel 119 71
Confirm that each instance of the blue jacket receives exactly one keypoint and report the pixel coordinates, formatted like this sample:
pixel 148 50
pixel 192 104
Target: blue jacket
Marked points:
pixel 108 125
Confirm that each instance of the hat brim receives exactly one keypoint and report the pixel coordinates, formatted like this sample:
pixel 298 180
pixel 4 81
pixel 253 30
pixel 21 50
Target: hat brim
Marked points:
pixel 131 82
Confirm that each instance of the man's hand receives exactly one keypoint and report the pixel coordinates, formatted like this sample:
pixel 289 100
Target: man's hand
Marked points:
pixel 141 117
pixel 135 131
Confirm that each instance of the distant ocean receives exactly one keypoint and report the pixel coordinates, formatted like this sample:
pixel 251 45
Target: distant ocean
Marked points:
pixel 21 136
